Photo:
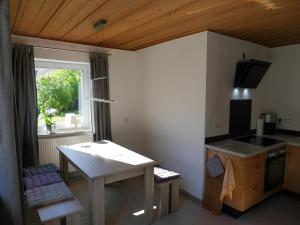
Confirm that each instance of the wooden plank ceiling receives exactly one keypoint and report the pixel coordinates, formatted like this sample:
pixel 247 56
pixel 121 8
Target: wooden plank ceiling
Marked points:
pixel 136 24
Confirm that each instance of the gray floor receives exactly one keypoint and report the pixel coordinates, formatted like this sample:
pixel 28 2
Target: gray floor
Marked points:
pixel 125 198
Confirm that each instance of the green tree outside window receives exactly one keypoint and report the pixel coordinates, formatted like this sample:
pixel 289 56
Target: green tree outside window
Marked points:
pixel 58 90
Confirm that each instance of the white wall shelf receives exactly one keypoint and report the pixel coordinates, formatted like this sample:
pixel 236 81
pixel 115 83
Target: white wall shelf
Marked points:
pixel 103 100
pixel 99 78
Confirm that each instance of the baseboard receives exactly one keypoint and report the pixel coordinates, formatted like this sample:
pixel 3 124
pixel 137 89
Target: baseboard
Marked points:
pixel 209 140
pixel 234 213
pixel 190 196
pixel 289 132
pixel 290 194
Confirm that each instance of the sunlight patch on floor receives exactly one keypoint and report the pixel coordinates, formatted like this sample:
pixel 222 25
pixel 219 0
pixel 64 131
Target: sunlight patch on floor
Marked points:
pixel 141 212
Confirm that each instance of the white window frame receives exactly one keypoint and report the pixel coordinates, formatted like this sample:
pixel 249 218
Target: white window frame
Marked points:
pixel 85 95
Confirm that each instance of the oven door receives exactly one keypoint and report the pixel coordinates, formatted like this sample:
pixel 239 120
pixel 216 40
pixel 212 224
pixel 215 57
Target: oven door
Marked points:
pixel 275 171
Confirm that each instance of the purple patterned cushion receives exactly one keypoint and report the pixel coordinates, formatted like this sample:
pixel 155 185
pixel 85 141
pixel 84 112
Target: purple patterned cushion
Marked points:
pixel 162 175
pixel 41 180
pixel 37 170
pixel 49 194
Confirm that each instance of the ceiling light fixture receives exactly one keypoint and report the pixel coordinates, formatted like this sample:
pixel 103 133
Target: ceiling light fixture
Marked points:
pixel 99 25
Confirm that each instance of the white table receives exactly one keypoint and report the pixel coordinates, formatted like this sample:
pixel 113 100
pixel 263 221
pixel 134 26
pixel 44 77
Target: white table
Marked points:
pixel 103 163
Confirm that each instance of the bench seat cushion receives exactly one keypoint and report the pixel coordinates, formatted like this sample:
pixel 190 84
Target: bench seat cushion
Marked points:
pixel 163 175
pixel 41 180
pixel 44 195
pixel 37 170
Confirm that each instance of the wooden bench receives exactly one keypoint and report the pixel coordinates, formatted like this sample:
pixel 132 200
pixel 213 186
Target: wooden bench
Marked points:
pixel 68 212
pixel 168 186
pixel 44 179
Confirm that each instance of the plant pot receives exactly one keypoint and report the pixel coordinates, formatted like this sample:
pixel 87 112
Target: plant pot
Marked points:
pixel 51 128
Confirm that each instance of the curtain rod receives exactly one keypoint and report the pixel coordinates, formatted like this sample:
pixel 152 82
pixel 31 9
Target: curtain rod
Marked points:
pixel 63 49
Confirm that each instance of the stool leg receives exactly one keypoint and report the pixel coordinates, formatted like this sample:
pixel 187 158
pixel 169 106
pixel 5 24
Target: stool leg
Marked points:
pixel 164 200
pixel 76 219
pixel 175 196
pixel 63 221
pixel 73 219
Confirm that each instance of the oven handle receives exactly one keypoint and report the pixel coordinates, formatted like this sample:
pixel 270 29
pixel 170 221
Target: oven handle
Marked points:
pixel 277 158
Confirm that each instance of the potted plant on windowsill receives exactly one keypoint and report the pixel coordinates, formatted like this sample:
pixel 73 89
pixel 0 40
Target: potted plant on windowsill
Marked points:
pixel 48 119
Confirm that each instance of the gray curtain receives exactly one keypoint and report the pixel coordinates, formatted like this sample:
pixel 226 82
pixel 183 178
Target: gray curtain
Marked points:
pixel 10 200
pixel 99 69
pixel 23 70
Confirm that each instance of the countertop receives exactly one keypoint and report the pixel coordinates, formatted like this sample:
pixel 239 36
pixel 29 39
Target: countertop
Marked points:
pixel 245 150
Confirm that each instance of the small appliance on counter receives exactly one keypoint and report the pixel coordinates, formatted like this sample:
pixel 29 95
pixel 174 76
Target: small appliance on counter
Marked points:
pixel 270 120
pixel 260 126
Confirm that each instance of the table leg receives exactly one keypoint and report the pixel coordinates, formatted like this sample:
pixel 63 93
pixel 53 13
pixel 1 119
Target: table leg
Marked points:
pixel 149 191
pixel 97 202
pixel 63 166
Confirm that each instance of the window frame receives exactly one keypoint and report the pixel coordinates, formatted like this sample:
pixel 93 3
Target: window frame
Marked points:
pixel 84 95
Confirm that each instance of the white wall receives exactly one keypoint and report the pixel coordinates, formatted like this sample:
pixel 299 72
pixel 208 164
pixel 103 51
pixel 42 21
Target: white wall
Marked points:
pixel 171 102
pixel 284 86
pixel 223 52
pixel 171 95
pixel 122 66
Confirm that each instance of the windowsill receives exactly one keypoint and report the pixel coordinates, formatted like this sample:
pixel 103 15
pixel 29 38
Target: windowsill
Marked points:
pixel 65 134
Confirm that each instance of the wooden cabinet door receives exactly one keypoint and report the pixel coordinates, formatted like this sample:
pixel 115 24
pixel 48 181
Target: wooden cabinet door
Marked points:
pixel 255 170
pixel 238 168
pixel 292 173
pixel 253 195
pixel 253 181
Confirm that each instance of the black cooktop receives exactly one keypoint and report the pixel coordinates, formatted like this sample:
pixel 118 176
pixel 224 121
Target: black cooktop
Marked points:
pixel 257 140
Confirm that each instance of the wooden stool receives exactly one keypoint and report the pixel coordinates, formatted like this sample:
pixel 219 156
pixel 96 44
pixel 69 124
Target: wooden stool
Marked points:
pixel 168 184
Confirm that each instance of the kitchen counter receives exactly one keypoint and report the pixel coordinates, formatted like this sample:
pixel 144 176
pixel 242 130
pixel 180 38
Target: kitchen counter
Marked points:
pixel 254 175
pixel 245 150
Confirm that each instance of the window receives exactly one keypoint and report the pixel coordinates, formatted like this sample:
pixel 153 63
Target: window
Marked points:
pixel 63 97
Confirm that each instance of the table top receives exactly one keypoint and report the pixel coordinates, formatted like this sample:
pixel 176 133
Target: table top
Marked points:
pixel 104 158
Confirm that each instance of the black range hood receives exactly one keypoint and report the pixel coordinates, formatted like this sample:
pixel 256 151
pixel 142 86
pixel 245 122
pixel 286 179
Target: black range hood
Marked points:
pixel 249 73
